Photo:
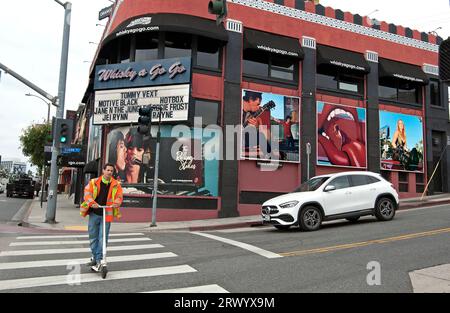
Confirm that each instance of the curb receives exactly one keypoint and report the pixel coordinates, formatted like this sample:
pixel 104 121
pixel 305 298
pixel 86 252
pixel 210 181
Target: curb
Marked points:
pixel 422 204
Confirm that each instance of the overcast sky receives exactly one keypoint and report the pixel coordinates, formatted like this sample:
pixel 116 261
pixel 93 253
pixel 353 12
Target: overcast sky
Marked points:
pixel 31 36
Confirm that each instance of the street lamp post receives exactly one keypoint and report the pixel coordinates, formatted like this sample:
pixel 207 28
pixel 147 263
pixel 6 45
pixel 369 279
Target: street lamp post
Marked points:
pixel 54 172
pixel 47 103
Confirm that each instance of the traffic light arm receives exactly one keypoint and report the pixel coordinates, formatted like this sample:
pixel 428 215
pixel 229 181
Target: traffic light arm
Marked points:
pixel 25 81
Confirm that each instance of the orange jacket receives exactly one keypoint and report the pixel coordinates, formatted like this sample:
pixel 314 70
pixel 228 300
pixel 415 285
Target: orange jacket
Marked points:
pixel 115 195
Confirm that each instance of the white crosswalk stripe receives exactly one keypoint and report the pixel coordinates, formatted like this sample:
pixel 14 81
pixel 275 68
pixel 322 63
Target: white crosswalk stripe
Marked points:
pixel 75 242
pixel 111 259
pixel 197 289
pixel 93 277
pixel 76 250
pixel 76 236
pixel 10 261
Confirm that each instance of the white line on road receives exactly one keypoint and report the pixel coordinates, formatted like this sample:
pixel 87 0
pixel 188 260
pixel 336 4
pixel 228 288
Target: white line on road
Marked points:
pixel 198 289
pixel 76 242
pixel 94 277
pixel 75 236
pixel 262 252
pixel 75 250
pixel 111 259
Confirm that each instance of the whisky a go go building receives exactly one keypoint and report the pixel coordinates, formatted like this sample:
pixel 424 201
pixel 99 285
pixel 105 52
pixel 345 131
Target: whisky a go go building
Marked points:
pixel 329 90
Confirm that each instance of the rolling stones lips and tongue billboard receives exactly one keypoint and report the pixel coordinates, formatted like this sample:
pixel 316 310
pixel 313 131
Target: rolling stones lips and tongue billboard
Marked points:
pixel 341 135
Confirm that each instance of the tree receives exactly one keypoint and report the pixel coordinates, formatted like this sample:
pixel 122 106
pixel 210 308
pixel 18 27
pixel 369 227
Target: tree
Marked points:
pixel 33 140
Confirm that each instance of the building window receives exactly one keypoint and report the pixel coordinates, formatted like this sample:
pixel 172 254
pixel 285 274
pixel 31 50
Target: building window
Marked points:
pixel 332 78
pixel 400 90
pixel 208 111
pixel 265 65
pixel 124 50
pixel 208 53
pixel 177 45
pixel 146 47
pixel 435 93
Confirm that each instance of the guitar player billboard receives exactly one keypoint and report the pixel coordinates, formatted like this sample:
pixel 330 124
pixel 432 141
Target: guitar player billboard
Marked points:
pixel 270 127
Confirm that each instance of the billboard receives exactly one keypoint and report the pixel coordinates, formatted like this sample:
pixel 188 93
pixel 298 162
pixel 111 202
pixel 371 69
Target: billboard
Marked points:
pixel 121 106
pixel 401 142
pixel 187 173
pixel 270 126
pixel 341 135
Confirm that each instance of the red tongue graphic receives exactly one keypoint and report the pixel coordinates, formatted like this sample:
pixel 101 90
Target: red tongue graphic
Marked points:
pixel 356 153
pixel 335 156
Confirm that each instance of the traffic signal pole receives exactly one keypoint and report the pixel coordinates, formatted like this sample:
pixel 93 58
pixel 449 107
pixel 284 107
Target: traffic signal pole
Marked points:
pixel 54 172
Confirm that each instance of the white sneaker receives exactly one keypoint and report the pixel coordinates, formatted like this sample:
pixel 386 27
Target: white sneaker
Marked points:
pixel 96 267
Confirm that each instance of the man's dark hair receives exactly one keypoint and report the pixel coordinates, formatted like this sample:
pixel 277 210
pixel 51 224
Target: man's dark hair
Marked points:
pixel 108 164
pixel 288 117
pixel 252 95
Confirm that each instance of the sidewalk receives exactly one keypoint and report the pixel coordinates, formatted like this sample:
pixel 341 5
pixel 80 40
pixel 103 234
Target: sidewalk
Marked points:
pixel 68 217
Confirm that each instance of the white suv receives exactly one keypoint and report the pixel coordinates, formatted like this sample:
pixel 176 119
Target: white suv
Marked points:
pixel 348 195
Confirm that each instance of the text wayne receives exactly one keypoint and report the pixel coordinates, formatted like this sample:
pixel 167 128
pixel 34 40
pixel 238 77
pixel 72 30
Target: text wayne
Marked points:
pixel 118 109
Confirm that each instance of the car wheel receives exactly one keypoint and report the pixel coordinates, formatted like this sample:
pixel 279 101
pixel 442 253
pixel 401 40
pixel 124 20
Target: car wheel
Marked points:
pixel 353 219
pixel 310 218
pixel 385 209
pixel 282 227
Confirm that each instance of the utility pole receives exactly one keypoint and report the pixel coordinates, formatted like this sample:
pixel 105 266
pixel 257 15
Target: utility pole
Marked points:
pixel 54 172
pixel 155 178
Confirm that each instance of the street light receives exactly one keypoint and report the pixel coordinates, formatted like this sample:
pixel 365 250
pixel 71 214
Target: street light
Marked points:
pixel 54 172
pixel 48 104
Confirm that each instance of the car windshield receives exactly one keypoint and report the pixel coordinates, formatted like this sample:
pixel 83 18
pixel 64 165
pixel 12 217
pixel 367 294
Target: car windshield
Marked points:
pixel 312 184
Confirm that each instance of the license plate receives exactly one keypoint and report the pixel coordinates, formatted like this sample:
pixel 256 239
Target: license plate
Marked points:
pixel 266 218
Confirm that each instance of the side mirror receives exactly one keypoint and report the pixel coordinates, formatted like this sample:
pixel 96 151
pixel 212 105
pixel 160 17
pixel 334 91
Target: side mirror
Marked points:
pixel 329 188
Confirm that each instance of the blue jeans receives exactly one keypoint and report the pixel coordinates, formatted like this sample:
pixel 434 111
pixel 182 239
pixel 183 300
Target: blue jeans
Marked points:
pixel 95 229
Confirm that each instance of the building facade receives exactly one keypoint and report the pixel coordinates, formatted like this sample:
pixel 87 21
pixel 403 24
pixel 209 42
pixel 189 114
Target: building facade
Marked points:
pixel 326 90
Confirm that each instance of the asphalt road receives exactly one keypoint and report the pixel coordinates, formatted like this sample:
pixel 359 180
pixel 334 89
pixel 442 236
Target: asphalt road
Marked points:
pixel 254 260
pixel 9 207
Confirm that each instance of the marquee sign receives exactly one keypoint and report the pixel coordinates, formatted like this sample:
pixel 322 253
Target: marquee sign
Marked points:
pixel 122 105
pixel 140 74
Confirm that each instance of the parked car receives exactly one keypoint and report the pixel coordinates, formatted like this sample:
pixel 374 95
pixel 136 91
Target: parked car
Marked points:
pixel 348 195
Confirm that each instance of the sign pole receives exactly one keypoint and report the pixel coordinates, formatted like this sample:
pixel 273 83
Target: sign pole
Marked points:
pixel 155 179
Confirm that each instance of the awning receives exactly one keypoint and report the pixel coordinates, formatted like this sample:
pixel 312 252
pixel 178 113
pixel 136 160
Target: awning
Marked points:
pixel 170 22
pixel 404 71
pixel 286 46
pixel 342 58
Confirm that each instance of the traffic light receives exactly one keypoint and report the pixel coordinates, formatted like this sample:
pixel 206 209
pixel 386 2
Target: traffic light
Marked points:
pixel 219 8
pixel 145 120
pixel 444 60
pixel 64 132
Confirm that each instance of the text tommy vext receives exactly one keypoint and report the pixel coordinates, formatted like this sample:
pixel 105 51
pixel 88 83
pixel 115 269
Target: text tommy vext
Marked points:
pixel 224 302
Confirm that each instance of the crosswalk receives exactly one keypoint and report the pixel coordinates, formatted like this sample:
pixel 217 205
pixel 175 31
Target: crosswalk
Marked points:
pixel 37 263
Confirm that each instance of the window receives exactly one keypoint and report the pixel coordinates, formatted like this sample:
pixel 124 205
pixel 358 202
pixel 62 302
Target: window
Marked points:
pixel 208 111
pixel 340 182
pixel 266 65
pixel 124 51
pixel 177 45
pixel 372 180
pixel 435 93
pixel 208 53
pixel 146 47
pixel 359 180
pixel 331 78
pixel 312 184
pixel 400 90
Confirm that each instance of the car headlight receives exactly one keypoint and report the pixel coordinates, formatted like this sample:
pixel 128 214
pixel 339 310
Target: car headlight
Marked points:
pixel 289 204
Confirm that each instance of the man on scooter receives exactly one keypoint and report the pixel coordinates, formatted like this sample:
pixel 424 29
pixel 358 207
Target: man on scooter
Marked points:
pixel 101 191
